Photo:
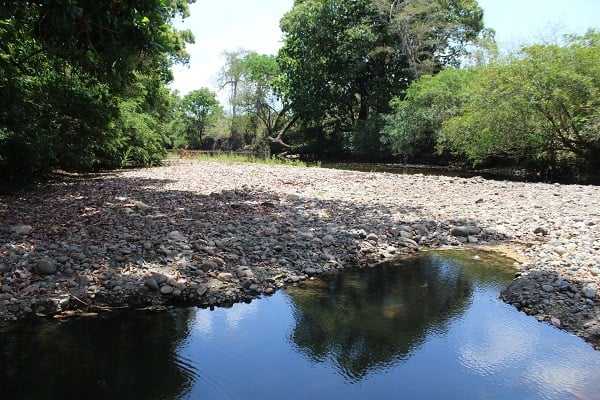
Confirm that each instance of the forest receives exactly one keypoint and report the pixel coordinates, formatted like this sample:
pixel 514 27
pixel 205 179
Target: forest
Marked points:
pixel 84 87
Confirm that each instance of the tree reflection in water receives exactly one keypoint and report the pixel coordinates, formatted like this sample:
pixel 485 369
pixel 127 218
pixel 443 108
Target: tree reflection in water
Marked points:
pixel 140 362
pixel 367 320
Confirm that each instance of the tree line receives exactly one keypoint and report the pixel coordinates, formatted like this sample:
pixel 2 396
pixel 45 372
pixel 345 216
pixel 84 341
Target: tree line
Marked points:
pixel 83 86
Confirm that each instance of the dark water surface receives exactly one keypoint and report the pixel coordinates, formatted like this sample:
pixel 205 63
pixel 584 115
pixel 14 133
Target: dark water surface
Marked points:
pixel 429 328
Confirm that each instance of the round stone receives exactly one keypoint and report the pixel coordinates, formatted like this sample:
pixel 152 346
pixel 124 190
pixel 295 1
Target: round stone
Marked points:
pixel 166 289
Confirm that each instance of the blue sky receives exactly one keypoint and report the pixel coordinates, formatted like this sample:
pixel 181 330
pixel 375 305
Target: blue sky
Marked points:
pixel 254 25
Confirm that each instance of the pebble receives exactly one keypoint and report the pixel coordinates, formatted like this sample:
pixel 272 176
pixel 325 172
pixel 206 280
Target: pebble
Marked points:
pixel 184 230
pixel 167 289
pixel 46 267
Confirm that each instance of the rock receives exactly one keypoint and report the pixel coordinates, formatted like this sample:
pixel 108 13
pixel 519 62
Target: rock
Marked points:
pixel 225 277
pixel 21 230
pixel 201 290
pixel 590 290
pixel 176 236
pixel 460 231
pixel 141 206
pixel 555 321
pixel 560 250
pixel 269 291
pixel 541 231
pixel 208 266
pixel 328 240
pixel 46 266
pixel 166 289
pixel 310 271
pixel 373 237
pixel 547 288
pixel 245 272
pixel 292 197
pixel 151 283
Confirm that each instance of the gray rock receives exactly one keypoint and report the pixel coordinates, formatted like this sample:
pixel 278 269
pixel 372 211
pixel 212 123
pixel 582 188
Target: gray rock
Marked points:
pixel 209 265
pixel 151 283
pixel 460 231
pixel 166 289
pixel 245 272
pixel 406 234
pixel 373 237
pixel 547 288
pixel 269 291
pixel 590 290
pixel 176 236
pixel 328 240
pixel 46 266
pixel 201 290
pixel 21 230
pixel 141 206
pixel 541 231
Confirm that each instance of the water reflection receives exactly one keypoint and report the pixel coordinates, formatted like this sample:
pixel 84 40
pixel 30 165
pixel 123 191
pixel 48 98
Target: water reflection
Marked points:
pixel 365 320
pixel 432 327
pixel 104 358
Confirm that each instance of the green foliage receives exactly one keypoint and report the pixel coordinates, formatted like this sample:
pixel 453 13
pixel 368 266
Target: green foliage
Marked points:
pixel 82 83
pixel 343 61
pixel 108 39
pixel 339 61
pixel 364 143
pixel 432 33
pixel 200 108
pixel 541 106
pixel 413 128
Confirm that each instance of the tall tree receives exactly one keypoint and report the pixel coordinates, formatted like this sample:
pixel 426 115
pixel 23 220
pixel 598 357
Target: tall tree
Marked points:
pixel 200 109
pixel 344 60
pixel 231 76
pixel 69 78
pixel 432 33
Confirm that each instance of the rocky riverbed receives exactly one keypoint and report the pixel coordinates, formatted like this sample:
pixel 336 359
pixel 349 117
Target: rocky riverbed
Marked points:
pixel 211 234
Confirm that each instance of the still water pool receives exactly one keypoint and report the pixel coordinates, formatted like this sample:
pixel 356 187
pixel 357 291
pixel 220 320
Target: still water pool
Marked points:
pixel 432 327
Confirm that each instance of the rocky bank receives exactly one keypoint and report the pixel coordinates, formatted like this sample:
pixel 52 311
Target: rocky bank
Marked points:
pixel 210 234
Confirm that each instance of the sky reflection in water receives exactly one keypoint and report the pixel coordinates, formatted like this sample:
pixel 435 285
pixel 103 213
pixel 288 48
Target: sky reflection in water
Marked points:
pixel 429 328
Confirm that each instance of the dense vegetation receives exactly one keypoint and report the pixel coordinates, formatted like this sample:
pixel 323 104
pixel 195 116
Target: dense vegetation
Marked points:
pixel 83 86
pixel 82 83
pixel 539 108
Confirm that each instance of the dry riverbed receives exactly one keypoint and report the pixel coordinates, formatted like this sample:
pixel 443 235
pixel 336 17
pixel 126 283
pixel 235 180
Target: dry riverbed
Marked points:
pixel 210 234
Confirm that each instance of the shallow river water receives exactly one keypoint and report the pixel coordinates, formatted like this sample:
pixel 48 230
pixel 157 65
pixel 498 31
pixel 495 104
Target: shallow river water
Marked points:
pixel 432 327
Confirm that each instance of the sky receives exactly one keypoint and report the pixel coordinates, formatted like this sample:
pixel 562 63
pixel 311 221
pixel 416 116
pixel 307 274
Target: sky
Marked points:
pixel 228 25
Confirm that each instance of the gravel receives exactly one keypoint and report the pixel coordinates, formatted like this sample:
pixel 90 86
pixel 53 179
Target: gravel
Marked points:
pixel 209 234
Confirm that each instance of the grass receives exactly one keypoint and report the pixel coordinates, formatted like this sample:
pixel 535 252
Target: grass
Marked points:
pixel 233 158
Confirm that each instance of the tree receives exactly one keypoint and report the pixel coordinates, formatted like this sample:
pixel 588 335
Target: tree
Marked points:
pixel 432 33
pixel 344 60
pixel 414 127
pixel 542 105
pixel 108 39
pixel 200 109
pixel 82 83
pixel 231 75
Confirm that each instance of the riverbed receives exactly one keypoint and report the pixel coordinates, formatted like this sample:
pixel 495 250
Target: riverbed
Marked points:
pixel 210 234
